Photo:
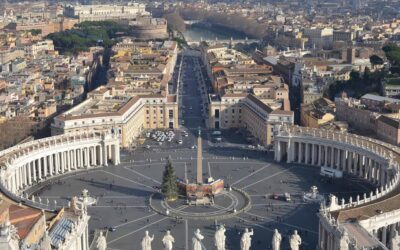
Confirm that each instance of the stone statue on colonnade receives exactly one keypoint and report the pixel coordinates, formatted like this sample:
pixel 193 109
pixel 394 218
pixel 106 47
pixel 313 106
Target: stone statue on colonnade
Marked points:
pixel 295 241
pixel 168 241
pixel 245 241
pixel 101 242
pixel 146 241
pixel 196 240
pixel 395 241
pixel 220 238
pixel 276 240
pixel 344 241
pixel 45 244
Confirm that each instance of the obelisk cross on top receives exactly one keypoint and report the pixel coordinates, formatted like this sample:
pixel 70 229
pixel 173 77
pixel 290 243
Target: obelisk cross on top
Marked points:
pixel 199 159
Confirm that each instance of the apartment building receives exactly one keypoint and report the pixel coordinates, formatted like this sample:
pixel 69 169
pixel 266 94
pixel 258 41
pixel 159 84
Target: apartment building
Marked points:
pixel 39 47
pixel 248 112
pixel 105 11
pixel 388 129
pixel 318 113
pixel 355 114
pixel 391 86
pixel 127 116
pixel 343 35
pixel 322 37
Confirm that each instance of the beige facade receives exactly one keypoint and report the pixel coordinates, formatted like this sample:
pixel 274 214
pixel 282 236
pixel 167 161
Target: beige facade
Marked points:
pixel 317 113
pixel 247 111
pixel 126 116
pixel 105 11
pixel 388 129
pixel 352 111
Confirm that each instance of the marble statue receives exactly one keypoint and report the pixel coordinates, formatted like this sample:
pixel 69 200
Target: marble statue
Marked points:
pixel 45 244
pixel 295 241
pixel 245 241
pixel 220 238
pixel 395 241
pixel 344 241
pixel 196 240
pixel 101 243
pixel 146 241
pixel 168 241
pixel 276 240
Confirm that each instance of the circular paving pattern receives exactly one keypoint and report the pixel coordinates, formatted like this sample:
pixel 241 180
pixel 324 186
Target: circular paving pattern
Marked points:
pixel 227 204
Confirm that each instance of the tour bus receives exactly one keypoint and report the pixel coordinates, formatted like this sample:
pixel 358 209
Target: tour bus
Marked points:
pixel 331 173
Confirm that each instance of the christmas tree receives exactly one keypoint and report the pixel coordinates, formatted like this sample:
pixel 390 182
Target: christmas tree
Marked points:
pixel 169 187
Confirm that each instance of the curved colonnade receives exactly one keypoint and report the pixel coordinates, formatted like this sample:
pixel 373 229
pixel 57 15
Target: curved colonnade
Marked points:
pixel 370 221
pixel 28 164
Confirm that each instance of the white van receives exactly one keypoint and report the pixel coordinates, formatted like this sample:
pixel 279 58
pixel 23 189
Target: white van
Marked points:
pixel 216 133
pixel 287 197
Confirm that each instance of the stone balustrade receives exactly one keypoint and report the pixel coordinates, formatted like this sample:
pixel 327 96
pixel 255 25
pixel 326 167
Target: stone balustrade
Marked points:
pixel 28 164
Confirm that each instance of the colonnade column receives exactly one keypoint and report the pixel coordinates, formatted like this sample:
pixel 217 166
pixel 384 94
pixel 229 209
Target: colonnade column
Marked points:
pixel 34 170
pixel 40 168
pixel 81 158
pixel 118 156
pixel 105 158
pixel 45 165
pixel 307 158
pixel 101 154
pixel 338 159
pixel 356 165
pixel 319 155
pixel 25 174
pixel 74 161
pixel 68 160
pixel 313 160
pixel 384 236
pixel 362 166
pixel 381 175
pixel 300 155
pixel 29 173
pixel 52 164
pixel 62 164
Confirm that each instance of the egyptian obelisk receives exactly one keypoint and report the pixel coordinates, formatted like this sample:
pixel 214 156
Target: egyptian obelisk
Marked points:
pixel 199 159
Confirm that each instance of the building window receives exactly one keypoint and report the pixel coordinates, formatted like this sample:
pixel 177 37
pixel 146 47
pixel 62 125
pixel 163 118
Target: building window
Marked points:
pixel 170 113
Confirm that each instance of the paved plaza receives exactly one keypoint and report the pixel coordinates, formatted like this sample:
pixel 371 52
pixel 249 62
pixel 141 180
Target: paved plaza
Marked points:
pixel 123 194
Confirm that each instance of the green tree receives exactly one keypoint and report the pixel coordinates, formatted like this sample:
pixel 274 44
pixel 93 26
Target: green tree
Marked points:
pixel 169 187
pixel 375 60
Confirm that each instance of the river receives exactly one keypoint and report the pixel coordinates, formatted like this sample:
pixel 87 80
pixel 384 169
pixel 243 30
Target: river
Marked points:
pixel 196 33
